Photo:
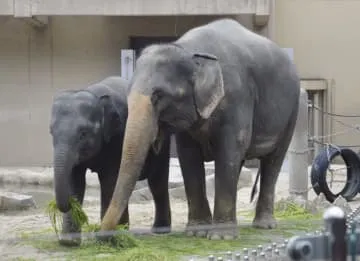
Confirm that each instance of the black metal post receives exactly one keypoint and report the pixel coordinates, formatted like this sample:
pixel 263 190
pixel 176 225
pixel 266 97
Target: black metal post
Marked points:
pixel 335 225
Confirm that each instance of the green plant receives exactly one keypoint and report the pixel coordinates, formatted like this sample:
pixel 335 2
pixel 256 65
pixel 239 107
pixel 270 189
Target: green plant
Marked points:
pixel 122 238
pixel 78 215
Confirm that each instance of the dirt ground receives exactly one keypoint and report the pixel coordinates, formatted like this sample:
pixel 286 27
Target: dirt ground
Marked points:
pixel 141 214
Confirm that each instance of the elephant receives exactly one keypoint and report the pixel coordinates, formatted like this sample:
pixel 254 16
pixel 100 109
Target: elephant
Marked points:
pixel 228 95
pixel 87 128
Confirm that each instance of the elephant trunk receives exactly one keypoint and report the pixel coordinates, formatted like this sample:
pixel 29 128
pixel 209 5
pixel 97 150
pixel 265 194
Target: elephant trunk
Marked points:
pixel 62 176
pixel 140 132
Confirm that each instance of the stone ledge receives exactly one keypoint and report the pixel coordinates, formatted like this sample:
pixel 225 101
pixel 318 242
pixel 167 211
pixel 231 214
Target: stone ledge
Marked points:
pixel 44 177
pixel 15 201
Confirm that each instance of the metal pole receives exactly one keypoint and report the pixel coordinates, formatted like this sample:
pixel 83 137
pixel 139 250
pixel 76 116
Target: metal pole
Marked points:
pixel 335 225
pixel 317 122
pixel 298 151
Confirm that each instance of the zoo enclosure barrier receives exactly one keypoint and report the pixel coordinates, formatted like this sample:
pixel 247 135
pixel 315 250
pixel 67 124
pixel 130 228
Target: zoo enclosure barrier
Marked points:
pixel 339 240
pixel 298 153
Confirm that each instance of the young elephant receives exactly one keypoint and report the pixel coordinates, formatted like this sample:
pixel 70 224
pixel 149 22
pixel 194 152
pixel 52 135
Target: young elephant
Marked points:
pixel 87 128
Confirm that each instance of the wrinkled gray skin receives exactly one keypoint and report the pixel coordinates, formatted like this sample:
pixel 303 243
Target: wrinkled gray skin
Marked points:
pixel 228 95
pixel 87 128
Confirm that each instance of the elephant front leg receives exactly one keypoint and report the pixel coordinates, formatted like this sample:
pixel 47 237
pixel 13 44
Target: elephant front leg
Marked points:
pixel 107 181
pixel 158 182
pixel 70 234
pixel 193 171
pixel 228 164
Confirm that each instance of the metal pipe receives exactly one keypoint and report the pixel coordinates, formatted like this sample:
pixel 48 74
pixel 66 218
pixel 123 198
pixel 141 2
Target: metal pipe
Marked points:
pixel 317 122
pixel 335 224
pixel 298 151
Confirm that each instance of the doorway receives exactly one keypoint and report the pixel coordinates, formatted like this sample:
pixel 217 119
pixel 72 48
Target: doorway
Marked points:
pixel 137 43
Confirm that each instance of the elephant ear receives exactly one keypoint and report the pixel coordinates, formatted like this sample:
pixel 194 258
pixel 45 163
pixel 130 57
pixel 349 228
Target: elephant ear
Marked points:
pixel 111 122
pixel 209 84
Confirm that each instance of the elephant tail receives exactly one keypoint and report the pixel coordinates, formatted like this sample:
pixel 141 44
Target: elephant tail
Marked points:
pixel 254 188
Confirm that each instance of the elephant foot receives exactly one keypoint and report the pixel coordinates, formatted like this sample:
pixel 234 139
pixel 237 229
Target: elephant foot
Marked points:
pixel 197 229
pixel 161 229
pixel 161 226
pixel 265 221
pixel 69 241
pixel 224 231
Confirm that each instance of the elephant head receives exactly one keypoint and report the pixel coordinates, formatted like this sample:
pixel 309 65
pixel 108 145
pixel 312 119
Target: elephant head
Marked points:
pixel 80 123
pixel 171 90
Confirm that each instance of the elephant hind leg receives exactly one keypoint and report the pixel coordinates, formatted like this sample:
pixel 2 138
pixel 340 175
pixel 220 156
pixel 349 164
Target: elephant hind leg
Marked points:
pixel 270 168
pixel 264 215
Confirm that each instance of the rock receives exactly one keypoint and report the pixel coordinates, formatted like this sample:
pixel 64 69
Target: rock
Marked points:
pixel 25 176
pixel 343 204
pixel 15 201
pixel 178 192
pixel 91 201
pixel 141 195
pixel 141 184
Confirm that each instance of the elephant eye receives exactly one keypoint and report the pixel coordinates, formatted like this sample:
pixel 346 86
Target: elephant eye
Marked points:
pixel 83 133
pixel 157 96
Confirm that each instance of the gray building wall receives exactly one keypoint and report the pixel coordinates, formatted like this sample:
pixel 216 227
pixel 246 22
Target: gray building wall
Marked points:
pixel 326 46
pixel 71 52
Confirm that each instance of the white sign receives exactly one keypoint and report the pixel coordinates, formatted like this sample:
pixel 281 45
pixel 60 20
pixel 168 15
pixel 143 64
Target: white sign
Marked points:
pixel 127 63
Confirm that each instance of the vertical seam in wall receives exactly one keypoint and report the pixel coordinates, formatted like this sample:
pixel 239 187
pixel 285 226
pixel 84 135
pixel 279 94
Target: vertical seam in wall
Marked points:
pixel 51 47
pixel 29 67
pixel 332 108
pixel 29 90
pixel 271 22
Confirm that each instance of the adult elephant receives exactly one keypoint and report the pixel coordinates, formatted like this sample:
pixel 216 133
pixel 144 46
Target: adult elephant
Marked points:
pixel 87 128
pixel 228 95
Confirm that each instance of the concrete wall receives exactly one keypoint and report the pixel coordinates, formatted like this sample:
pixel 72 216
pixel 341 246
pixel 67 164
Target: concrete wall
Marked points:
pixel 326 45
pixel 70 53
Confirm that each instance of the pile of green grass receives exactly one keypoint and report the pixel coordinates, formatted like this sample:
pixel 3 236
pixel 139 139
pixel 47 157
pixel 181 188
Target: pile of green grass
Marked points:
pixel 171 247
pixel 79 216
pixel 286 210
pixel 121 240
pixel 292 219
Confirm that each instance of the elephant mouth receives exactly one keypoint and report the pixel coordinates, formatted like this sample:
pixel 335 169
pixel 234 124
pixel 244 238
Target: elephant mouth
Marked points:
pixel 176 124
pixel 86 152
pixel 172 128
